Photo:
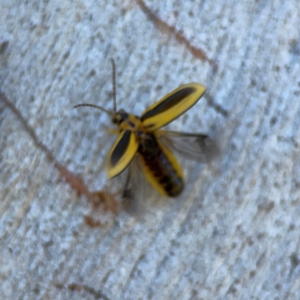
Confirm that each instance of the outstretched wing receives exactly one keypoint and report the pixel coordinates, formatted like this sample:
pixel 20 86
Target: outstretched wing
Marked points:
pixel 192 146
pixel 172 106
pixel 135 190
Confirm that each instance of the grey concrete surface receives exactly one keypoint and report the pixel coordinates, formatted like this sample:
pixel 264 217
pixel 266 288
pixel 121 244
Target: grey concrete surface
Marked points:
pixel 234 233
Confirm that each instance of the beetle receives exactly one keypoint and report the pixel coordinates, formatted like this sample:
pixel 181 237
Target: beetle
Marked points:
pixel 143 137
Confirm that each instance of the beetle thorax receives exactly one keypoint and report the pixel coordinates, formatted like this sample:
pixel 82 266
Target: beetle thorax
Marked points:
pixel 126 121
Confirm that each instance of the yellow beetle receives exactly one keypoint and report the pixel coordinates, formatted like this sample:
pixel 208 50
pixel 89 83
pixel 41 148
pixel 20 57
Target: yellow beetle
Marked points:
pixel 142 137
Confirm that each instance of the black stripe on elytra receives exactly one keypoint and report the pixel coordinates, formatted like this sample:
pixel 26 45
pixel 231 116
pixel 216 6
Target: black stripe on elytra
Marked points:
pixel 169 102
pixel 120 148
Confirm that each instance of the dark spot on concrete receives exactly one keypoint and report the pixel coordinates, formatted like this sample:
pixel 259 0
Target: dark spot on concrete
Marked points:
pixel 273 121
pixel 292 227
pixel 294 260
pixel 260 236
pixel 250 241
pixel 266 206
pixel 264 88
pixel 3 46
pixel 253 82
pixel 252 274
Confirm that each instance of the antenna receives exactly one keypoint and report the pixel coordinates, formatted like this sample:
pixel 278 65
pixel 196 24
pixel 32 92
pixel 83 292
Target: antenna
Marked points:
pixel 114 84
pixel 95 106
pixel 114 94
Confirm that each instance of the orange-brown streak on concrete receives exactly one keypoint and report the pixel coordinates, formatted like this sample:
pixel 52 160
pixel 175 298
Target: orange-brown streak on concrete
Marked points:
pixel 97 198
pixel 163 26
pixel 77 287
pixel 106 199
pixel 82 287
pixel 75 182
pixel 93 223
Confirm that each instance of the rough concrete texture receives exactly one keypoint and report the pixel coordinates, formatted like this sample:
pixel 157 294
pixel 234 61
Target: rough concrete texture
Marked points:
pixel 234 233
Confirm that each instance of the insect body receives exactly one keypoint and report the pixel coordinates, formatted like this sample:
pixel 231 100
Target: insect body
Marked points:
pixel 142 136
pixel 159 165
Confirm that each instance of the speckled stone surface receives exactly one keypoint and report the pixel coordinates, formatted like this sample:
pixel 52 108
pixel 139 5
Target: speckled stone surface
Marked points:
pixel 234 233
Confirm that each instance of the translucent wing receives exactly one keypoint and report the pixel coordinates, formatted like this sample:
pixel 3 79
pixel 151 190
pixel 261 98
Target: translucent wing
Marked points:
pixel 172 106
pixel 122 153
pixel 135 190
pixel 193 146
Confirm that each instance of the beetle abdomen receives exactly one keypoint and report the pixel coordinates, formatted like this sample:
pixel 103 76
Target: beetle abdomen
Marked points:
pixel 160 167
